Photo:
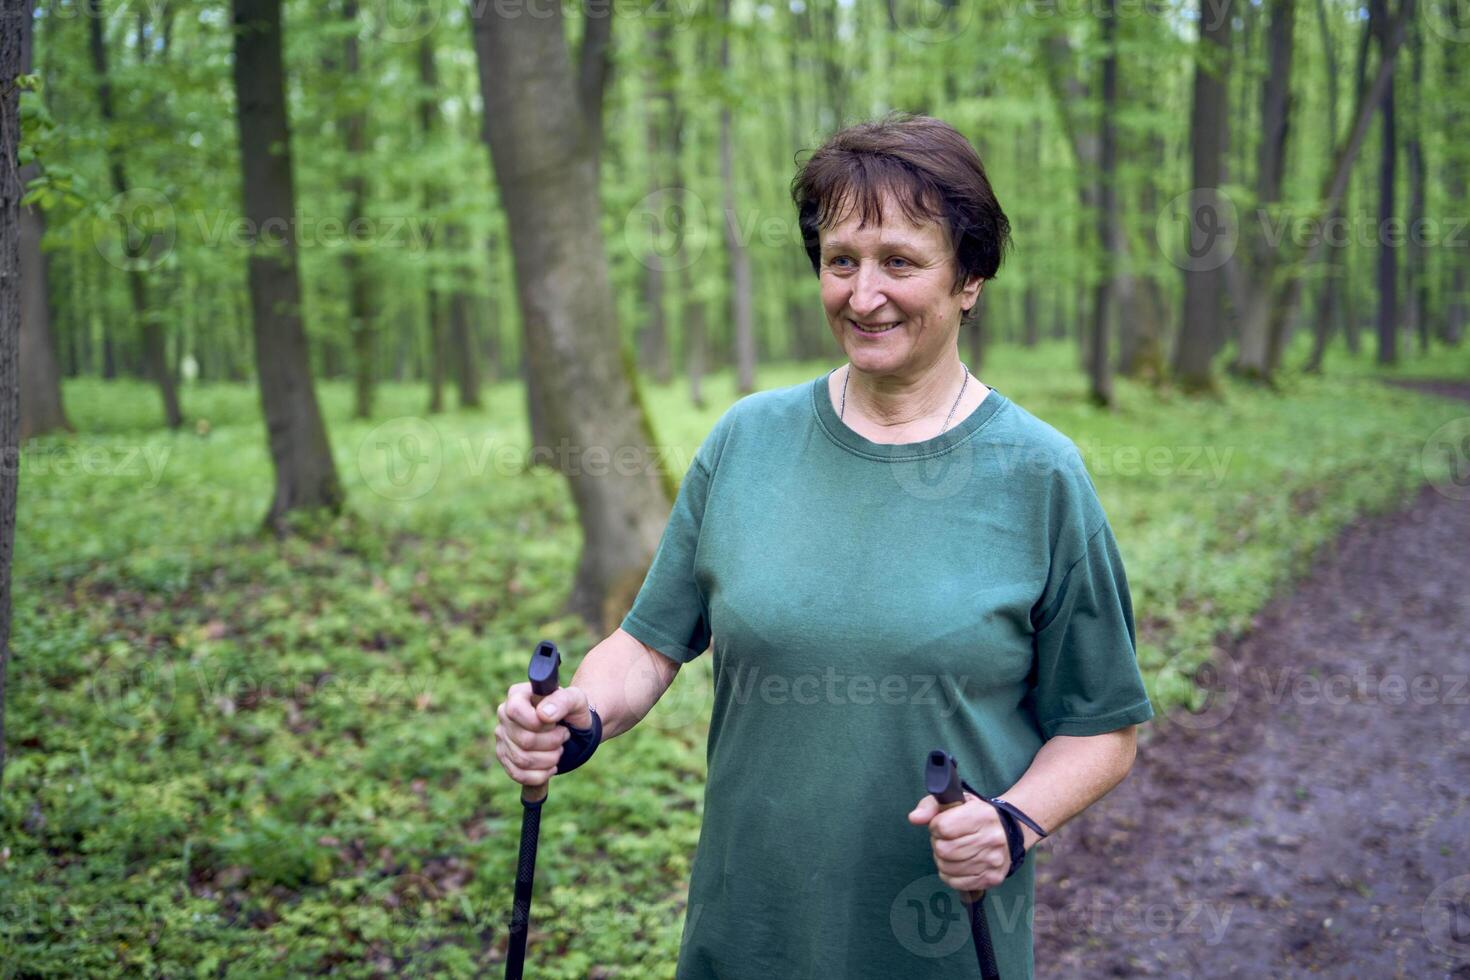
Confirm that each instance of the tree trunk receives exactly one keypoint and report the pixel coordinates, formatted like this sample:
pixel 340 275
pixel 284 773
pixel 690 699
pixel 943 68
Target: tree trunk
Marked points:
pixel 1124 297
pixel 1417 314
pixel 466 353
pixel 10 194
pixel 433 196
pixel 544 164
pixel 654 346
pixel 1100 375
pixel 691 304
pixel 1142 311
pixel 594 71
pixel 742 311
pixel 1456 169
pixel 136 244
pixel 1290 284
pixel 360 325
pixel 1253 358
pixel 1203 329
pixel 41 409
pixel 306 478
pixel 1329 302
pixel 1388 305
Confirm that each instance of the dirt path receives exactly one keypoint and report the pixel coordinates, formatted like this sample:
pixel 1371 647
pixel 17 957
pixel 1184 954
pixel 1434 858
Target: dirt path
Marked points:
pixel 1314 820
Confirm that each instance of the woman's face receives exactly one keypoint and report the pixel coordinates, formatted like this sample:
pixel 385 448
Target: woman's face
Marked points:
pixel 895 276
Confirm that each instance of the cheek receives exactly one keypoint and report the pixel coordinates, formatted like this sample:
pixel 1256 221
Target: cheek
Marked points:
pixel 834 295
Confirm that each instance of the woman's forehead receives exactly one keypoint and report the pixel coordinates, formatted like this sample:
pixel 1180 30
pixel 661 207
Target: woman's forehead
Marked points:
pixel 887 223
pixel 897 231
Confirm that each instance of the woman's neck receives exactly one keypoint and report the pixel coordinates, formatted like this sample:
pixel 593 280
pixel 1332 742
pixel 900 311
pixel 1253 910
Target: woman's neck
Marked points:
pixel 893 403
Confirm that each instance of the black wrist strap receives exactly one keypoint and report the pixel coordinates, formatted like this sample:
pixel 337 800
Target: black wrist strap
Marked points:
pixel 579 748
pixel 1010 814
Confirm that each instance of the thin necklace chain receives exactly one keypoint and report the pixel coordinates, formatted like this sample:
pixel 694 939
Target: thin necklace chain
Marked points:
pixel 845 374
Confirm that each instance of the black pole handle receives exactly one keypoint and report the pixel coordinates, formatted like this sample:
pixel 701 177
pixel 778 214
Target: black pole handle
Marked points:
pixel 942 778
pixel 545 676
pixel 942 781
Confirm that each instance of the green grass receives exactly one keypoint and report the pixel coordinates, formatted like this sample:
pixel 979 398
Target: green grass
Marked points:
pixel 232 756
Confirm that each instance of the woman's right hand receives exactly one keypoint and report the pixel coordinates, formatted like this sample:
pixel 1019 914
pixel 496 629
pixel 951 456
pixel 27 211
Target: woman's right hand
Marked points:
pixel 529 737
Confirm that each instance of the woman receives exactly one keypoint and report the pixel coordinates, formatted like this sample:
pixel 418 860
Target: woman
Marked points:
pixel 889 559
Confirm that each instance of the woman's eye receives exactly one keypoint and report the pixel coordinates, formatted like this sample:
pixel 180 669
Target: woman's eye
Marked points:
pixel 903 262
pixel 838 260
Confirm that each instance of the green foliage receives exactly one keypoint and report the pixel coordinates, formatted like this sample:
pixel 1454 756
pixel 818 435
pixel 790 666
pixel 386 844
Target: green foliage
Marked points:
pixel 233 756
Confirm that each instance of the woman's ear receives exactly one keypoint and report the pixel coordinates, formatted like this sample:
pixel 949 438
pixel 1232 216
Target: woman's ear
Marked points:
pixel 971 293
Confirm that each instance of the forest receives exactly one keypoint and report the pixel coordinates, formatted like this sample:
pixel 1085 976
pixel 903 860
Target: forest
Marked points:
pixel 324 326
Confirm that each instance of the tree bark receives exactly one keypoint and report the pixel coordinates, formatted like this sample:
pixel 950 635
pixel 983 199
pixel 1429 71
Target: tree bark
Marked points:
pixel 41 408
pixel 1100 375
pixel 742 309
pixel 1203 329
pixel 654 338
pixel 1329 302
pixel 360 325
pixel 1290 285
pixel 433 196
pixel 1455 168
pixel 306 477
pixel 466 355
pixel 1417 279
pixel 155 357
pixel 691 303
pixel 542 153
pixel 1126 300
pixel 1253 358
pixel 1142 311
pixel 10 194
pixel 1388 306
pixel 594 70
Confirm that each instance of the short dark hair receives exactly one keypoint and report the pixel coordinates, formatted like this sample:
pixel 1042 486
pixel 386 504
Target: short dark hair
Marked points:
pixel 932 172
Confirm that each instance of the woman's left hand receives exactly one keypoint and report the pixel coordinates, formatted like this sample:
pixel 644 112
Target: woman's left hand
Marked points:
pixel 969 842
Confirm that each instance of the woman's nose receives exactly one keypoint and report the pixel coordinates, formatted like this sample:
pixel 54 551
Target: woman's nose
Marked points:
pixel 867 292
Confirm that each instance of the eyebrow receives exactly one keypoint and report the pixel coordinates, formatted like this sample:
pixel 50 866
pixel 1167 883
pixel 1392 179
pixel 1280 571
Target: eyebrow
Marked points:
pixel 837 244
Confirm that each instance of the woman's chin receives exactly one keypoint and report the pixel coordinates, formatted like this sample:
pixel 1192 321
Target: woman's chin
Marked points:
pixel 864 357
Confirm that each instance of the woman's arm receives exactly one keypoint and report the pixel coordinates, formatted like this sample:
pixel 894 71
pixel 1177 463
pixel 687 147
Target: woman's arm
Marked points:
pixel 623 679
pixel 1069 774
pixel 620 677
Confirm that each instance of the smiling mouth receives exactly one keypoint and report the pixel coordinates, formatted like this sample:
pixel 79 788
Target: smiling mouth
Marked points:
pixel 877 328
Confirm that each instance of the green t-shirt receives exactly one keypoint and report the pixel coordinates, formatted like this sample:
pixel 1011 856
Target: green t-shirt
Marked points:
pixel 867 604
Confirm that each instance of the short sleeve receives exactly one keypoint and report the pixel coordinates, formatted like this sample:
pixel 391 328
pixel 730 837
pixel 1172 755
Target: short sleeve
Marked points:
pixel 1087 677
pixel 670 613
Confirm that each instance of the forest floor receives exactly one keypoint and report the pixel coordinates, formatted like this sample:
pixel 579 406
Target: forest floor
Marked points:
pixel 1314 819
pixel 234 755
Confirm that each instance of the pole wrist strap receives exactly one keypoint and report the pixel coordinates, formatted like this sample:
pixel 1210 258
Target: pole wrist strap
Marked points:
pixel 1011 818
pixel 579 748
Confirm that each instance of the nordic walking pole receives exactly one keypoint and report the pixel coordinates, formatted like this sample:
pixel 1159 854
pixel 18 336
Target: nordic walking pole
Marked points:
pixel 942 779
pixel 544 679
